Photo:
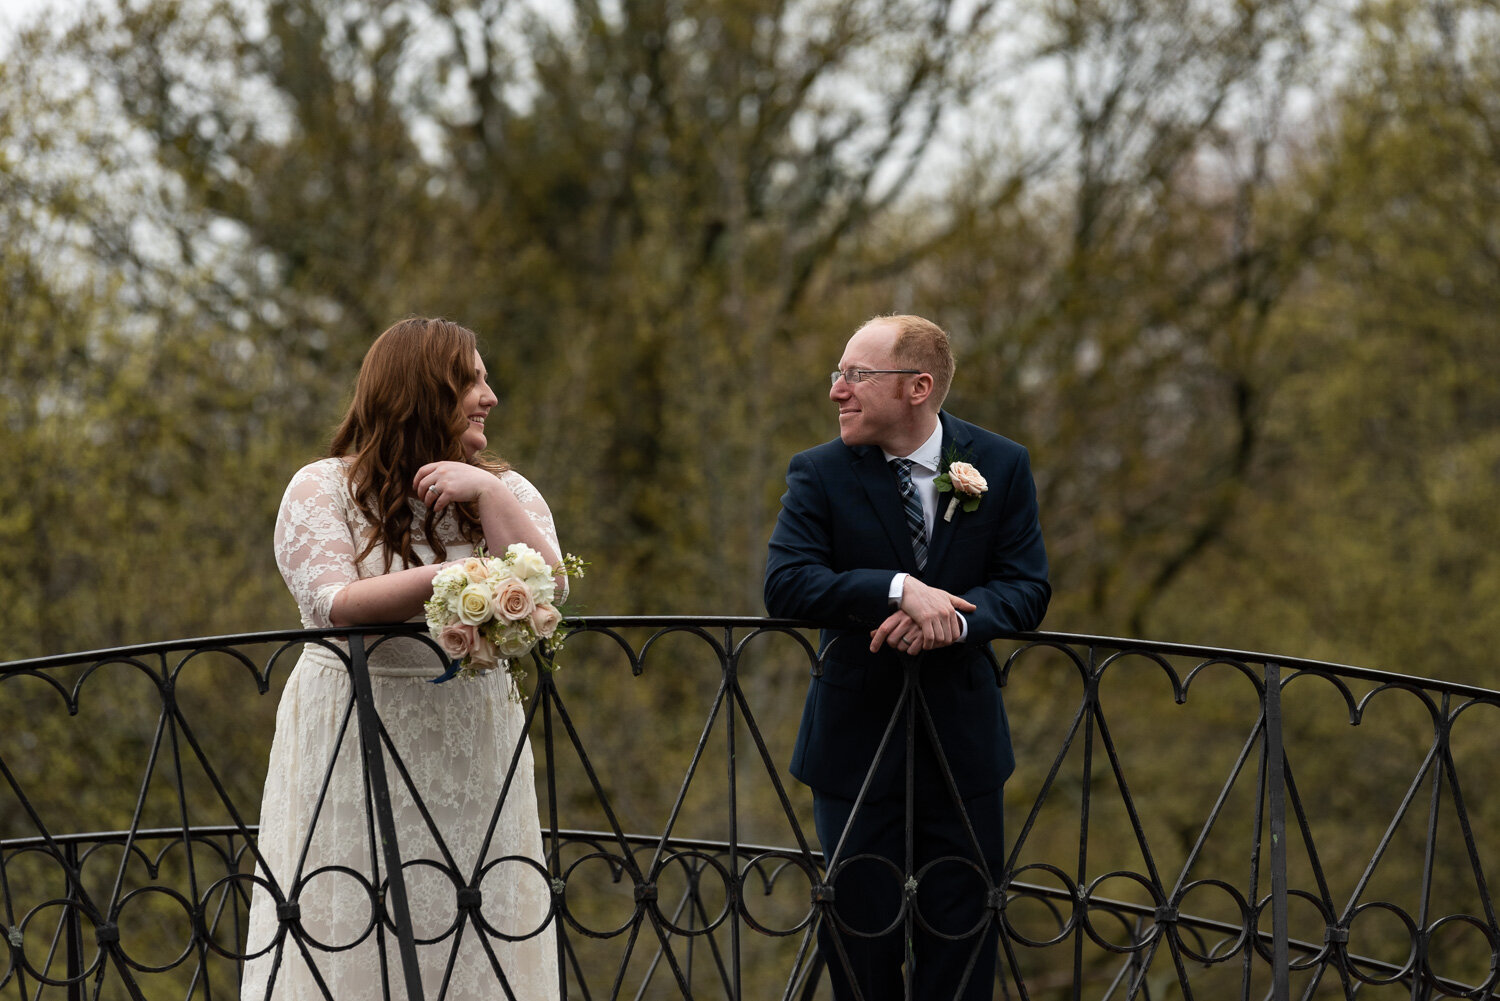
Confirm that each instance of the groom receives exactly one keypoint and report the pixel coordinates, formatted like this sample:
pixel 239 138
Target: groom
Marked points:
pixel 869 548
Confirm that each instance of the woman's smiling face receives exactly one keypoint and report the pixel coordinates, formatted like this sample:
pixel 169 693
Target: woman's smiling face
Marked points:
pixel 476 406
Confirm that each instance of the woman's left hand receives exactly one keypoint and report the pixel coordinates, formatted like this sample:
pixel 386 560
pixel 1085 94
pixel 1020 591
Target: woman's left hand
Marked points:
pixel 439 484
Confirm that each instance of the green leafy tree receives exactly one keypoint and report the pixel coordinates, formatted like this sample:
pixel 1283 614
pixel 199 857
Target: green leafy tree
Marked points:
pixel 1112 279
pixel 634 206
pixel 1364 535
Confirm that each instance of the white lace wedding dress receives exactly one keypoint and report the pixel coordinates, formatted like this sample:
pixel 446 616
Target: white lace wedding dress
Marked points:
pixel 457 741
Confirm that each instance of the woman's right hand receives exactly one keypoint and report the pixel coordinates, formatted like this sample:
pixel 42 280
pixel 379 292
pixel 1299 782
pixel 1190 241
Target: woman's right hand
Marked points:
pixel 439 484
pixel 502 515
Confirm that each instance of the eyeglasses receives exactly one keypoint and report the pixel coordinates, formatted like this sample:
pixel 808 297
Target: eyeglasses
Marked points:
pixel 857 375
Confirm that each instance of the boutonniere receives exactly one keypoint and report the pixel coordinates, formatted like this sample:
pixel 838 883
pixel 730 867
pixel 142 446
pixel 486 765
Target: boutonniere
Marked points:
pixel 963 481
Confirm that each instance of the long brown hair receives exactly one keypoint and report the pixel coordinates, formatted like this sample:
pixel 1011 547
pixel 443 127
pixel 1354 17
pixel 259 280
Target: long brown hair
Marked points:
pixel 406 413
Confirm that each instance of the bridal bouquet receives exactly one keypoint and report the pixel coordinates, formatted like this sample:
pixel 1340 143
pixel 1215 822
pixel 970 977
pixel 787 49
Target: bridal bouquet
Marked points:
pixel 489 611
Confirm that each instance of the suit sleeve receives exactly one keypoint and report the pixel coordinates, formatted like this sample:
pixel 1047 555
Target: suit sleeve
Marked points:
pixel 1015 593
pixel 801 581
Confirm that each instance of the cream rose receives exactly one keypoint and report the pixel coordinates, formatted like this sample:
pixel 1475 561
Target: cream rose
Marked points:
pixel 544 620
pixel 513 600
pixel 475 569
pixel 474 604
pixel 457 640
pixel 513 641
pixel 966 479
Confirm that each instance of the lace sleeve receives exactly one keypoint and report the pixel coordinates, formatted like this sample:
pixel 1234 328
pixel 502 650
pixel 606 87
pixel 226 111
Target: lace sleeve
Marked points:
pixel 315 543
pixel 535 506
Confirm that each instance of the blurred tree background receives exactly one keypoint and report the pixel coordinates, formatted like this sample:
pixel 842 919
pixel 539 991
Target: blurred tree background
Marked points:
pixel 1227 269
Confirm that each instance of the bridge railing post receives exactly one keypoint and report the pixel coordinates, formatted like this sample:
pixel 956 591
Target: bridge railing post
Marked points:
pixel 380 793
pixel 1276 795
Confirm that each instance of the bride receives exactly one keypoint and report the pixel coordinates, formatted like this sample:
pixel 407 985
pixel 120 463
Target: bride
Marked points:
pixel 407 488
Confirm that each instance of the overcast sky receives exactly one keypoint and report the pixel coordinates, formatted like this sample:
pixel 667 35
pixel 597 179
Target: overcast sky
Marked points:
pixel 13 12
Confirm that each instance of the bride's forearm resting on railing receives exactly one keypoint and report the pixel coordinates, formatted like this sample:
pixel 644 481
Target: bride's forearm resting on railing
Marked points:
pixel 393 597
pixel 399 595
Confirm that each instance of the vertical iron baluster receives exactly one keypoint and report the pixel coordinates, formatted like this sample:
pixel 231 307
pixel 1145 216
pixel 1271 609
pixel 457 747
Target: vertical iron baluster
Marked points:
pixel 735 888
pixel 1085 805
pixel 74 925
pixel 546 694
pixel 374 761
pixel 908 921
pixel 1276 793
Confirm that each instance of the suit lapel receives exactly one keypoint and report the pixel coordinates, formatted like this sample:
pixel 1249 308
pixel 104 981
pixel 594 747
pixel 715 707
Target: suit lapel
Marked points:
pixel 879 484
pixel 956 441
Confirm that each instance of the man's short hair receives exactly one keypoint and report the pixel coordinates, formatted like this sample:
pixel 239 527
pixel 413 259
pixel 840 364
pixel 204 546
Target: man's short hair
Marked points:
pixel 922 344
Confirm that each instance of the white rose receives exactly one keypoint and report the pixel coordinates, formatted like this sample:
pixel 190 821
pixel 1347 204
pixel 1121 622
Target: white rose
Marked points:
pixel 966 479
pixel 527 562
pixel 474 604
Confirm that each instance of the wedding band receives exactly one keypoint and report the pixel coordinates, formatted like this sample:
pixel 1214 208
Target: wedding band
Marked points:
pixel 431 488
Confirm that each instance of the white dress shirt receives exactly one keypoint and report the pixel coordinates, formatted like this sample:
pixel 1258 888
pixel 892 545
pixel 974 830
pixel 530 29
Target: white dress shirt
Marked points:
pixel 925 459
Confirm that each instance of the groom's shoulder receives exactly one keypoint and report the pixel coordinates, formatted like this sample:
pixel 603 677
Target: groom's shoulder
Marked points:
pixel 962 431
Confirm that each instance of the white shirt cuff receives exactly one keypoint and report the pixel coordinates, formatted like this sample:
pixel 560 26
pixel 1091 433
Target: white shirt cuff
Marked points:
pixel 898 588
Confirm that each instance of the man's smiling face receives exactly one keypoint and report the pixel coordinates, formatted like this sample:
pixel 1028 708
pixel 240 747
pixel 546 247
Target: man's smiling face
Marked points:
pixel 873 411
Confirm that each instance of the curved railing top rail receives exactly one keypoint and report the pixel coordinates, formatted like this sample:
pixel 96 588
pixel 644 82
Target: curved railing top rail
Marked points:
pixel 1247 848
pixel 591 622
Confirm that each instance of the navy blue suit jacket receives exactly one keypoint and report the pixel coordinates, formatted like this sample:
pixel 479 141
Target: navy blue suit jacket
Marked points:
pixel 838 541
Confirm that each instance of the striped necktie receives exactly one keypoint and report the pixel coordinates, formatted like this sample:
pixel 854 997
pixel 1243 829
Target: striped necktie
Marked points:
pixel 916 524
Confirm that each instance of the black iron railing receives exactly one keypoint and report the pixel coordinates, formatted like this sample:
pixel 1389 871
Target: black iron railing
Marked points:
pixel 1184 822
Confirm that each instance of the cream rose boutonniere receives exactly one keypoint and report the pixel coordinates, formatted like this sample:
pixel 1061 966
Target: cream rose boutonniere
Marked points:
pixel 965 483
